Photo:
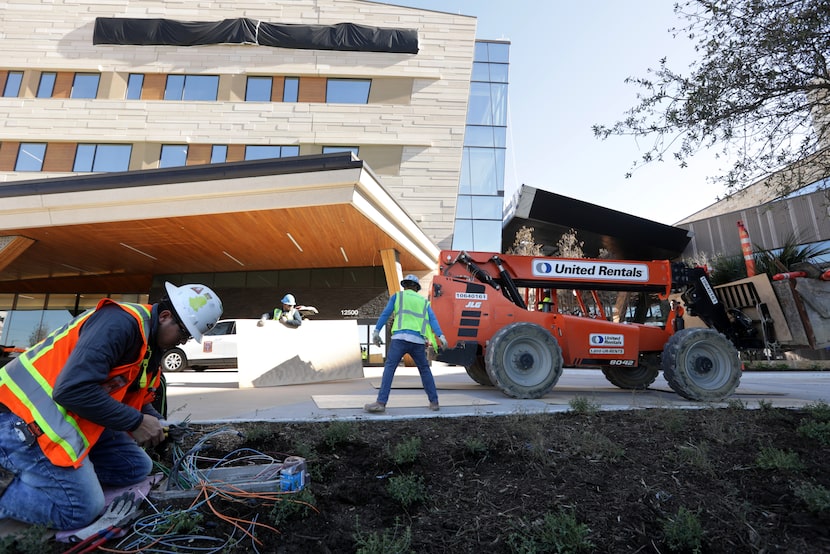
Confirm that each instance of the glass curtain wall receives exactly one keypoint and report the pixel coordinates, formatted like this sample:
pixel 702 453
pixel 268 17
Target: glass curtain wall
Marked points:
pixel 478 218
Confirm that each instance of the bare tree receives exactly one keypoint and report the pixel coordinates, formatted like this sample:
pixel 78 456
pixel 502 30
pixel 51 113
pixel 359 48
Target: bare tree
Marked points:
pixel 759 91
pixel 524 243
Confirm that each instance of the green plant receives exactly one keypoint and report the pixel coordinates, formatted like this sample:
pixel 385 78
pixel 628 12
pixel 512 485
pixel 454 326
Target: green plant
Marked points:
pixel 683 532
pixel 397 540
pixel 816 430
pixel 695 455
pixel 185 522
pixel 790 254
pixel 555 532
pixel 407 489
pixel 259 432
pixel 292 505
pixel 406 451
pixel 583 405
pixel 735 404
pixel 339 432
pixel 475 446
pixel 773 458
pixel 596 446
pixel 31 540
pixel 725 269
pixel 815 496
pixel 819 410
pixel 765 405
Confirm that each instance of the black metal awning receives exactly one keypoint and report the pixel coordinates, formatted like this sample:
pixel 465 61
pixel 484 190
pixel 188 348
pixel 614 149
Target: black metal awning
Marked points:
pixel 625 236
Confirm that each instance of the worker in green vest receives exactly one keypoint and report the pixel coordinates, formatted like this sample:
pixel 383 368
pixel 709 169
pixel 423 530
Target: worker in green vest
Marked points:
pixel 414 325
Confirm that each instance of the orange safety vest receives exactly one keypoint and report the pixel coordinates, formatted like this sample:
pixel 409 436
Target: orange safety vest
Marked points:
pixel 27 382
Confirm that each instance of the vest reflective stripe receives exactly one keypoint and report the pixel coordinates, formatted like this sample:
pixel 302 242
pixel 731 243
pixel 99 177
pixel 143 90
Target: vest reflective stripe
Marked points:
pixel 410 312
pixel 26 387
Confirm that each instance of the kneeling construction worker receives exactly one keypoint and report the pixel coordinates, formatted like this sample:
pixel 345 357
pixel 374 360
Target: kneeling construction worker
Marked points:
pixel 76 408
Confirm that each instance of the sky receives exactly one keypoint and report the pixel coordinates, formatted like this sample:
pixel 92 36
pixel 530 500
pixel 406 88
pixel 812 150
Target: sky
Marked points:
pixel 568 64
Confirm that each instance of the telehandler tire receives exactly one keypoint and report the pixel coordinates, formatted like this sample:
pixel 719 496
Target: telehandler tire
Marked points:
pixel 634 378
pixel 701 364
pixel 524 360
pixel 478 372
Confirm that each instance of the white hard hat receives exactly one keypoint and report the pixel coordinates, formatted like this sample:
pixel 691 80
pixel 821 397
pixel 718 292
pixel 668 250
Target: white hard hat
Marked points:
pixel 197 307
pixel 288 299
pixel 412 279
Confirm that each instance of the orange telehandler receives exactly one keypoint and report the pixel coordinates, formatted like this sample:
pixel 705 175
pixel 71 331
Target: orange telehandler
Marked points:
pixel 502 338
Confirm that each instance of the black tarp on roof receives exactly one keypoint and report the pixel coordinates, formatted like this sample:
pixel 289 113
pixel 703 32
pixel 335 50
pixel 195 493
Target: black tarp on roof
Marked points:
pixel 169 32
pixel 624 235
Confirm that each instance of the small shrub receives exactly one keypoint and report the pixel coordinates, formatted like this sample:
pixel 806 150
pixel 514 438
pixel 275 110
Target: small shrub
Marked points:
pixel 695 455
pixel 405 452
pixel 596 446
pixel 292 505
pixel 475 446
pixel 397 540
pixel 736 404
pixel 582 405
pixel 556 532
pixel 339 432
pixel 407 489
pixel 259 432
pixel 185 522
pixel 765 405
pixel 815 496
pixel 773 458
pixel 683 532
pixel 819 410
pixel 816 430
pixel 31 540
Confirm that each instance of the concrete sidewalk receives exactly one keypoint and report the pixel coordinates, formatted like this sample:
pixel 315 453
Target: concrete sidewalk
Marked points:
pixel 214 396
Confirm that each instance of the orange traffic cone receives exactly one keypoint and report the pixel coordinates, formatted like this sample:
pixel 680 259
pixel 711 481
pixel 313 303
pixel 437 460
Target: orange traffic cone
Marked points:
pixel 746 247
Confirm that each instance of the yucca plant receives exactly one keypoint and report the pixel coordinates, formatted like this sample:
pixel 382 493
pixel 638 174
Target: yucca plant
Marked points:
pixel 791 253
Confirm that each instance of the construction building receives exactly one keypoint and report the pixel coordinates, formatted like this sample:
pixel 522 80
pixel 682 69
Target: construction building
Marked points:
pixel 322 148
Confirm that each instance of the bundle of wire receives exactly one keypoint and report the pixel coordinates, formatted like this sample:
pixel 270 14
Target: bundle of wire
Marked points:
pixel 161 532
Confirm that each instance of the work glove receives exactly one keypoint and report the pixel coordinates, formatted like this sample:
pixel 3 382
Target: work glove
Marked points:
pixel 376 338
pixel 443 340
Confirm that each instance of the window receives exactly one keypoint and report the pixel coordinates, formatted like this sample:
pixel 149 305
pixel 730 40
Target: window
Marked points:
pixel 134 85
pixel 332 149
pixel 192 87
pixel 291 89
pixel 46 85
pixel 30 156
pixel 13 81
pixel 218 154
pixel 173 155
pixel 258 89
pixel 85 85
pixel 102 157
pixel 347 91
pixel 269 152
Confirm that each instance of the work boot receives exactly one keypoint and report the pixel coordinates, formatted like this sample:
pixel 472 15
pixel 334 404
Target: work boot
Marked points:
pixel 434 406
pixel 375 408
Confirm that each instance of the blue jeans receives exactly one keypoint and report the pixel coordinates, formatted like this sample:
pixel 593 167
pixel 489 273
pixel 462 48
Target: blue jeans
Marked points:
pixel 63 497
pixel 397 349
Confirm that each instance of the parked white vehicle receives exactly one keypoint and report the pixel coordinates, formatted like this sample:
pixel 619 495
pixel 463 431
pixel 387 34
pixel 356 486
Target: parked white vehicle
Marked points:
pixel 217 351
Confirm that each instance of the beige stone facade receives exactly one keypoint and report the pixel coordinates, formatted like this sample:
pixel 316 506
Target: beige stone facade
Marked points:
pixel 410 132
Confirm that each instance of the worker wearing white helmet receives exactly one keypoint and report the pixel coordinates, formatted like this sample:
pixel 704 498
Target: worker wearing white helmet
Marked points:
pixel 414 325
pixel 77 407
pixel 288 314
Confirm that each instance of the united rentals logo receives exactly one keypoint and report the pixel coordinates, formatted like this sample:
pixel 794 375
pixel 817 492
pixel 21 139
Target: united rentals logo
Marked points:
pixel 595 271
pixel 597 339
